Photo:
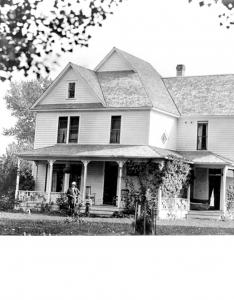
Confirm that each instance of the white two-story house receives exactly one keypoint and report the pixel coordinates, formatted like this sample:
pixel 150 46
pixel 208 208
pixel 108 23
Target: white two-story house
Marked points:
pixel 90 122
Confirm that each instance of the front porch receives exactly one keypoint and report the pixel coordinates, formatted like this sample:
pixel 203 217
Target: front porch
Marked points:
pixel 99 182
pixel 99 171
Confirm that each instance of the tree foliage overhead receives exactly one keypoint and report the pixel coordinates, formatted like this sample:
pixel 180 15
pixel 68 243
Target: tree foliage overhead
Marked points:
pixel 19 98
pixel 226 16
pixel 31 30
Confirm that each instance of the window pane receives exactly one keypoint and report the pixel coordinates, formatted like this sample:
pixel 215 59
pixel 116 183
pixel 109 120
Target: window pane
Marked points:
pixel 71 90
pixel 115 130
pixel 202 136
pixel 62 130
pixel 73 132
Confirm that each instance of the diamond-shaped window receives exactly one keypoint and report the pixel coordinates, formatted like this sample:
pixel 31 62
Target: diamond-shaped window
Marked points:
pixel 164 138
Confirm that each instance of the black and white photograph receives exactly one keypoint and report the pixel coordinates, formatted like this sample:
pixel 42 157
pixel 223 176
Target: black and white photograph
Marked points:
pixel 112 120
pixel 116 149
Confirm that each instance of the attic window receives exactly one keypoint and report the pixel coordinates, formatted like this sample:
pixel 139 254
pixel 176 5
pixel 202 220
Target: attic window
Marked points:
pixel 71 90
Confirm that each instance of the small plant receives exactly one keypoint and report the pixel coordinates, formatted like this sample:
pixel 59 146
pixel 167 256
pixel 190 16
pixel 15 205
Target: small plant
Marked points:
pixel 63 203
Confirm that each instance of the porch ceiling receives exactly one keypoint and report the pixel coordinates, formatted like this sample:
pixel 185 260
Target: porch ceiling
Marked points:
pixel 76 152
pixel 206 158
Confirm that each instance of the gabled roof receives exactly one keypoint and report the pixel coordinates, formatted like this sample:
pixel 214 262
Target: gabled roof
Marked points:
pixel 203 95
pixel 123 89
pixel 158 96
pixel 88 75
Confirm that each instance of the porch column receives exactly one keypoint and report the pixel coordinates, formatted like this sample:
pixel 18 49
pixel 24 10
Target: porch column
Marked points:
pixel 17 179
pixel 224 188
pixel 51 163
pixel 159 201
pixel 188 196
pixel 66 179
pixel 85 164
pixel 119 183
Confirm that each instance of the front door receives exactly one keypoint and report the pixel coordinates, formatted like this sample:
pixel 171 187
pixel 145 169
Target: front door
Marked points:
pixel 110 182
pixel 214 188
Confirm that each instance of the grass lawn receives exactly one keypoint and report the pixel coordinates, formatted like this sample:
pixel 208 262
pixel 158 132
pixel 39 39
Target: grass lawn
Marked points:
pixel 41 224
pixel 195 227
pixel 22 224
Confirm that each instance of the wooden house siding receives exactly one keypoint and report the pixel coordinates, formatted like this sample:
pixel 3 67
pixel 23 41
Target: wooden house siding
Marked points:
pixel 115 63
pixel 40 177
pixel 94 127
pixel 161 124
pixel 220 134
pixel 59 93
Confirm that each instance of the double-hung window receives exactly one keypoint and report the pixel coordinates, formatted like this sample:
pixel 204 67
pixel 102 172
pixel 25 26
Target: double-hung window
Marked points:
pixel 68 128
pixel 115 129
pixel 71 90
pixel 202 135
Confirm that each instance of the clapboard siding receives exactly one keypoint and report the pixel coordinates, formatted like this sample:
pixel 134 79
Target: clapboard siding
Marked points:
pixel 220 134
pixel 115 63
pixel 160 124
pixel 59 93
pixel 95 179
pixel 40 177
pixel 94 127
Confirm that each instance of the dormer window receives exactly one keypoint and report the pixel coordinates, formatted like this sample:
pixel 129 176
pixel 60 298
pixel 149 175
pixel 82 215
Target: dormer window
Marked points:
pixel 71 90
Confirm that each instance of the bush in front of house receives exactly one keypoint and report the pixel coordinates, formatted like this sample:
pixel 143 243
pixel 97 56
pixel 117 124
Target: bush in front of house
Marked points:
pixel 171 176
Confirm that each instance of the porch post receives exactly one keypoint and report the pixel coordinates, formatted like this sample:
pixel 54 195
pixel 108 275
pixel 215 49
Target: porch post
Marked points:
pixel 119 183
pixel 85 164
pixel 224 188
pixel 188 196
pixel 159 200
pixel 51 163
pixel 17 179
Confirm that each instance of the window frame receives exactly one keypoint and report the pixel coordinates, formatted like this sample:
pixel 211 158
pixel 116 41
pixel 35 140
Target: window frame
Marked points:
pixel 113 116
pixel 68 91
pixel 206 146
pixel 68 129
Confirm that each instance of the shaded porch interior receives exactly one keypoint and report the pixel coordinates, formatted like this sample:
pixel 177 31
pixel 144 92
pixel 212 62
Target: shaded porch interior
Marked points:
pixel 209 186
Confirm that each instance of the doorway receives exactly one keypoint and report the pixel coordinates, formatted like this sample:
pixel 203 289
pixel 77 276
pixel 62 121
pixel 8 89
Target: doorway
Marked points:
pixel 214 188
pixel 110 182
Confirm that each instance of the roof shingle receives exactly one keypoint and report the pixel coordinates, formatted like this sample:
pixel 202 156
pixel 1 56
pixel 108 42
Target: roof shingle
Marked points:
pixel 203 95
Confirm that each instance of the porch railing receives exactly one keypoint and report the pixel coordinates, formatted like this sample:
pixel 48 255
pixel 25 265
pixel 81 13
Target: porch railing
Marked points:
pixel 34 196
pixel 38 196
pixel 173 207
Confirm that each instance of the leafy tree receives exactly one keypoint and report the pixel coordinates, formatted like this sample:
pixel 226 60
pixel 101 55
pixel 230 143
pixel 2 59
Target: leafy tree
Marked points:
pixel 19 98
pixel 226 17
pixel 31 32
pixel 8 176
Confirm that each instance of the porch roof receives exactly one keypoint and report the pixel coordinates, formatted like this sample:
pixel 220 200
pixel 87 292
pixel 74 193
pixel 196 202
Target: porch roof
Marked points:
pixel 206 158
pixel 61 151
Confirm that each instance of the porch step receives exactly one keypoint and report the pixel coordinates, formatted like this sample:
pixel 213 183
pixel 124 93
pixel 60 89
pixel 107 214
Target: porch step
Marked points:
pixel 102 210
pixel 205 214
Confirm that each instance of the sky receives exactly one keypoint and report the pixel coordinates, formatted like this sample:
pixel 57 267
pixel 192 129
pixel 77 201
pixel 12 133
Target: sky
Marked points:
pixel 165 33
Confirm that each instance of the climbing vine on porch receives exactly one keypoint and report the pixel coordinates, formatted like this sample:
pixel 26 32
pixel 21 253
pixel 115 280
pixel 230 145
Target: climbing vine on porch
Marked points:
pixel 172 176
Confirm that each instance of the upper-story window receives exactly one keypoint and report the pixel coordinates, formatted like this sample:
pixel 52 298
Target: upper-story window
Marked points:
pixel 71 90
pixel 202 135
pixel 68 128
pixel 115 129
